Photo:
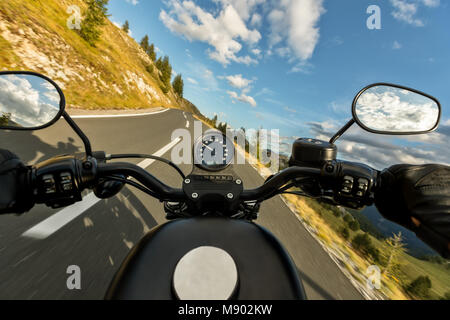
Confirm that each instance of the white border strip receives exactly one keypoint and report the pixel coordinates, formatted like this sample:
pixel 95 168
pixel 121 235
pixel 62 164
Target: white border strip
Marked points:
pixel 55 222
pixel 118 115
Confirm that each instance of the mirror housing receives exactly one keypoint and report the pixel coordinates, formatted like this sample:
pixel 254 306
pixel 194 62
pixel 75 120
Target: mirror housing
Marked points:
pixel 29 101
pixel 385 108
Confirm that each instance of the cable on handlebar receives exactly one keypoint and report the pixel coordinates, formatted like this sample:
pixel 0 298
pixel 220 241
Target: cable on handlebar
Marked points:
pixel 147 156
pixel 279 179
pixel 286 187
pixel 132 183
pixel 161 190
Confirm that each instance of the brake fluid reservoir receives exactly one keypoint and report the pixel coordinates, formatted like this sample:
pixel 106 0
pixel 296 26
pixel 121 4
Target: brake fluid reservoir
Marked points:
pixel 314 153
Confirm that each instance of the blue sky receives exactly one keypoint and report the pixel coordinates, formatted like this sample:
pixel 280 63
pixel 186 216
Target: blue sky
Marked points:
pixel 295 65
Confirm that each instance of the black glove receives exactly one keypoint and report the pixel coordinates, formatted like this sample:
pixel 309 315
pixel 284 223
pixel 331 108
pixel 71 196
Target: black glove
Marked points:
pixel 418 198
pixel 15 195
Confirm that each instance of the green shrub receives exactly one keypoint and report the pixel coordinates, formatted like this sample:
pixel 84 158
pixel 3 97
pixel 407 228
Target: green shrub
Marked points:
pixel 348 218
pixel 149 68
pixel 420 287
pixel 353 225
pixel 362 243
pixel 336 212
pixel 345 233
pixel 446 296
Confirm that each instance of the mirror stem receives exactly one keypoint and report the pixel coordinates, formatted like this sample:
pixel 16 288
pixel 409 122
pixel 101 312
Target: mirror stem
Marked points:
pixel 80 133
pixel 341 131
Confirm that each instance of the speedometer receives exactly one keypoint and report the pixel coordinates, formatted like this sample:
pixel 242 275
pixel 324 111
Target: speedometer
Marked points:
pixel 213 151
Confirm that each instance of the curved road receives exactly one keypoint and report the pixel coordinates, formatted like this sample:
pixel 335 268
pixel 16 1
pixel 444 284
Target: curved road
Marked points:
pixel 98 237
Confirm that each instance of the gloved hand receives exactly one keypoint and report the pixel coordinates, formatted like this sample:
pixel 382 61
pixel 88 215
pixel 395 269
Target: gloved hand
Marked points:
pixel 418 198
pixel 15 196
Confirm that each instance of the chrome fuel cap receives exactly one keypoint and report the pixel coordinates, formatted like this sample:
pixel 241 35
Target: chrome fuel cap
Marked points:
pixel 205 273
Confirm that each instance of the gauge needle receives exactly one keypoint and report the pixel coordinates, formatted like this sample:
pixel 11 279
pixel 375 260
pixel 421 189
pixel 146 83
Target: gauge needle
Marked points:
pixel 208 147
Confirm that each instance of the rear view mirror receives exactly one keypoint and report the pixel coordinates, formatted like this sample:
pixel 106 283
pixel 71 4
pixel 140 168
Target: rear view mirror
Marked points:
pixel 391 109
pixel 29 101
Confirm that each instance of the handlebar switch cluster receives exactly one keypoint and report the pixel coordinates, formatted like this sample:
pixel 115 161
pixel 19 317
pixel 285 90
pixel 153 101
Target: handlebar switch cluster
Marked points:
pixel 56 182
pixel 352 184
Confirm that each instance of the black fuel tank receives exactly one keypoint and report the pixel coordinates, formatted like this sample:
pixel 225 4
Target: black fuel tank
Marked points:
pixel 265 269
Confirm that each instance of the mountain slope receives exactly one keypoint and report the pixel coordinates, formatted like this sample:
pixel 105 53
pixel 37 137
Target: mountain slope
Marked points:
pixel 34 36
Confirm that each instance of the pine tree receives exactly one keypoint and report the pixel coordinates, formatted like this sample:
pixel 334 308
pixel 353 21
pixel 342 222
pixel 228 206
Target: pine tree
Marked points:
pixel 159 64
pixel 166 73
pixel 167 70
pixel 94 18
pixel 222 127
pixel 178 85
pixel 151 52
pixel 214 121
pixel 394 248
pixel 126 26
pixel 144 43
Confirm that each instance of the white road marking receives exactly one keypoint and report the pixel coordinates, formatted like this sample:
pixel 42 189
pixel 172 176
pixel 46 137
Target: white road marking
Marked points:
pixel 55 222
pixel 117 115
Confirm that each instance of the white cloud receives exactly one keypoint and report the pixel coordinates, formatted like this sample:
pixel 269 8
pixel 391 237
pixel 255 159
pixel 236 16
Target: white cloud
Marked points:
pixel 264 91
pixel 238 81
pixel 243 7
pixel 290 110
pixel 193 81
pixel 133 2
pixel 256 20
pixel 223 31
pixel 51 93
pixel 396 45
pixel 302 67
pixel 203 76
pixel 256 52
pixel 295 22
pixel 406 11
pixel 431 3
pixel 242 97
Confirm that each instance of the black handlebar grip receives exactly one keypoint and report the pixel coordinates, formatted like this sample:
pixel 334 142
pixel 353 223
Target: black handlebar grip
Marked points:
pixel 15 188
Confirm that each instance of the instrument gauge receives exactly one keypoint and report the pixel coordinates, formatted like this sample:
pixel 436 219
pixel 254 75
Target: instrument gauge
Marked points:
pixel 213 151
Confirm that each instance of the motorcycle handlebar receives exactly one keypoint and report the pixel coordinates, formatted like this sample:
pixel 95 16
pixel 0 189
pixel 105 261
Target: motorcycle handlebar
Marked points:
pixel 60 181
pixel 168 193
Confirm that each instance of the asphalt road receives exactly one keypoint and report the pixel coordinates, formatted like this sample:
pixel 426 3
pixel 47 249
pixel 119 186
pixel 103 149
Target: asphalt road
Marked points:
pixel 98 239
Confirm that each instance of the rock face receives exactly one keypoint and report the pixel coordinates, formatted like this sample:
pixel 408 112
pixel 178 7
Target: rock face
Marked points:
pixel 113 74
